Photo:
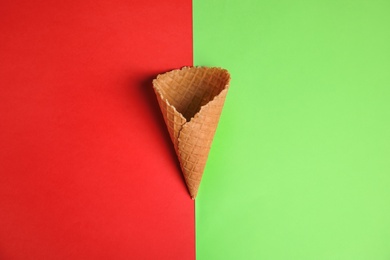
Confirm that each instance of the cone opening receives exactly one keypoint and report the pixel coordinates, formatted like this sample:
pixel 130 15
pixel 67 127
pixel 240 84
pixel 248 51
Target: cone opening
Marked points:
pixel 189 89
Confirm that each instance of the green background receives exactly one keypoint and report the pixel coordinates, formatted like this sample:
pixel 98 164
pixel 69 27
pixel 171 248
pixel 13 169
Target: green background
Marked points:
pixel 300 164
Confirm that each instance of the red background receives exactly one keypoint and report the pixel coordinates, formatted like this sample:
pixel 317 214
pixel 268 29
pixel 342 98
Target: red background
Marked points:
pixel 87 170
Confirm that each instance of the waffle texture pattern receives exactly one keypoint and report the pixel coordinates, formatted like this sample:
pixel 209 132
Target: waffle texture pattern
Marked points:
pixel 191 101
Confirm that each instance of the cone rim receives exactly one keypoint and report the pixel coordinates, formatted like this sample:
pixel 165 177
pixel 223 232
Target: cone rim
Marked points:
pixel 225 88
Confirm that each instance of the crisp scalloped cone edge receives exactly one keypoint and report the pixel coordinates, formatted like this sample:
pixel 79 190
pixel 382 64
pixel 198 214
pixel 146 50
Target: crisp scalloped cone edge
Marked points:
pixel 194 131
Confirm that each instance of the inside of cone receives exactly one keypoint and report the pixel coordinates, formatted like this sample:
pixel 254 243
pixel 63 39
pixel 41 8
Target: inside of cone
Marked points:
pixel 189 89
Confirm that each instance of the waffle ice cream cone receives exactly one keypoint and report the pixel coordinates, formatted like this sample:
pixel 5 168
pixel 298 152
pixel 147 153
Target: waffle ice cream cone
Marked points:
pixel 191 100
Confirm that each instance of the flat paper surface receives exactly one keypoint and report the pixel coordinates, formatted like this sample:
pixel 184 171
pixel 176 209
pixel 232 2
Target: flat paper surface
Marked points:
pixel 299 168
pixel 87 170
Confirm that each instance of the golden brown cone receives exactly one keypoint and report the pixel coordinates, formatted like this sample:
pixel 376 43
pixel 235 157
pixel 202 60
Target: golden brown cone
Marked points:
pixel 191 100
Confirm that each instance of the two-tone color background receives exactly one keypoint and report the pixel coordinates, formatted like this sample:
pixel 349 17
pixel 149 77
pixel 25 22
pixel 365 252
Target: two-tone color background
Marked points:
pixel 300 164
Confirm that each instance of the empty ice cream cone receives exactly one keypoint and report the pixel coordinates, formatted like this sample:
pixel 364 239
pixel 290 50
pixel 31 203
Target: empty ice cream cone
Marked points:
pixel 191 100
